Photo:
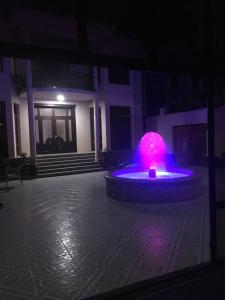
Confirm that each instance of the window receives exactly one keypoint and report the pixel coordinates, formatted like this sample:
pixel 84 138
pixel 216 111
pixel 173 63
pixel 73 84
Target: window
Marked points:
pixel 119 76
pixel 120 127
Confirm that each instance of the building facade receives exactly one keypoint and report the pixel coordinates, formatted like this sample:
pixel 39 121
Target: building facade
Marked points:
pixel 176 107
pixel 50 107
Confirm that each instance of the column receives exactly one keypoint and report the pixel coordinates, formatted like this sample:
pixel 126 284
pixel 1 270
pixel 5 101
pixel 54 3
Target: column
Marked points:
pixel 9 108
pixel 30 110
pixel 107 124
pixel 96 114
pixel 104 84
pixel 10 127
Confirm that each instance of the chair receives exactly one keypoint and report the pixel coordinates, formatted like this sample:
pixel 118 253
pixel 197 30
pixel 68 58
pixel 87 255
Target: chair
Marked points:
pixel 110 162
pixel 11 169
pixel 14 170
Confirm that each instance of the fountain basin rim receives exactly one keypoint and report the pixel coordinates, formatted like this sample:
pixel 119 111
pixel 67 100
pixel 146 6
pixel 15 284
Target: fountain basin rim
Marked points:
pixel 113 175
pixel 149 190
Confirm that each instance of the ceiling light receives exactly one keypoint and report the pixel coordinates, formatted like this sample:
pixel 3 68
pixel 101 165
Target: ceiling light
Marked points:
pixel 60 97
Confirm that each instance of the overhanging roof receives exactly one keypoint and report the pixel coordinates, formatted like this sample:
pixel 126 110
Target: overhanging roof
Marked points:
pixel 178 37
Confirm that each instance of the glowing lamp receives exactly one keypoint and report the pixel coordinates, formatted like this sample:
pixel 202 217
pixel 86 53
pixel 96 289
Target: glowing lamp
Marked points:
pixel 60 97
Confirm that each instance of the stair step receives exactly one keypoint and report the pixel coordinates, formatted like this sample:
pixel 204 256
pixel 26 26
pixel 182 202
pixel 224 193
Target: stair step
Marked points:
pixel 70 172
pixel 64 164
pixel 67 168
pixel 64 161
pixel 67 163
pixel 65 156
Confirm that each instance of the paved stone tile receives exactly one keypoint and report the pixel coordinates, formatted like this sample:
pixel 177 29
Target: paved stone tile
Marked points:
pixel 34 285
pixel 14 295
pixel 111 276
pixel 63 238
pixel 66 288
pixel 50 266
pixel 96 289
pixel 9 278
pixel 138 276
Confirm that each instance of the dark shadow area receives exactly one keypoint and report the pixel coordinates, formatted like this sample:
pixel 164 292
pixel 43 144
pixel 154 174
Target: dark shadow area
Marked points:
pixel 194 283
pixel 6 189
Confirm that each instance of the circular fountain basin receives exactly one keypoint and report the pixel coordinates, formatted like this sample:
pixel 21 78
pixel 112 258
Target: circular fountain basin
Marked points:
pixel 168 186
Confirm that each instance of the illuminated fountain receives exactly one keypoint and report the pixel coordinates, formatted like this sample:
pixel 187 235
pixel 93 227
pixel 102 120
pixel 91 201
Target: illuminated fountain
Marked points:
pixel 153 181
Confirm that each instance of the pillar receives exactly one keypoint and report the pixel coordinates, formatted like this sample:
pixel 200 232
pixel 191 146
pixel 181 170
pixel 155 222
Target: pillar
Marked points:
pixel 10 127
pixel 8 88
pixel 30 110
pixel 96 114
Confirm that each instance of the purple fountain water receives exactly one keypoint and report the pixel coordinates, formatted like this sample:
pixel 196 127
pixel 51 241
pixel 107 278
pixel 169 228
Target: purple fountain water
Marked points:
pixel 152 180
pixel 152 151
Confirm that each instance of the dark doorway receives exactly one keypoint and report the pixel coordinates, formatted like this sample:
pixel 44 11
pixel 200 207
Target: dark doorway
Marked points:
pixel 120 127
pixel 3 131
pixel 92 128
pixel 190 143
pixel 17 127
pixel 55 129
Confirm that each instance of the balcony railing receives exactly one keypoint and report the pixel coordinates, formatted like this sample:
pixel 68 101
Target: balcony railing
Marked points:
pixel 58 76
pixel 62 76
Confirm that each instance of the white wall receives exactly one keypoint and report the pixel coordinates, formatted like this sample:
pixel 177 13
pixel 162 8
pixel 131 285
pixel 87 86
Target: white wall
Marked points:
pixel 117 94
pixel 103 120
pixel 163 124
pixel 137 108
pixel 83 127
pixel 122 95
pixel 83 131
pixel 24 127
pixel 109 94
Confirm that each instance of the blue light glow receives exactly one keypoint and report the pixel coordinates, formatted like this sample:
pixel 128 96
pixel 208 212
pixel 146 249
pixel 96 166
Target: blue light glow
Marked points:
pixel 159 175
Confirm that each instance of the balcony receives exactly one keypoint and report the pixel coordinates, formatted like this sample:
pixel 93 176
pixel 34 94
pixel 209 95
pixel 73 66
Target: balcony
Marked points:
pixel 56 75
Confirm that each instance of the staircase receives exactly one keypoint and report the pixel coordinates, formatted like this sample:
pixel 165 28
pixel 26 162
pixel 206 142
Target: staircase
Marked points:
pixel 66 164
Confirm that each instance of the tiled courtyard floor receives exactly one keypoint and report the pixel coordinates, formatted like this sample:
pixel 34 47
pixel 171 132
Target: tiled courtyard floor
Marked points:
pixel 63 238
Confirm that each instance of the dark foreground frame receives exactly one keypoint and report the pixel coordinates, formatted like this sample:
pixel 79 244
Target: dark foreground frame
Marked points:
pixel 206 274
pixel 205 281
